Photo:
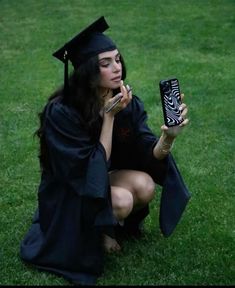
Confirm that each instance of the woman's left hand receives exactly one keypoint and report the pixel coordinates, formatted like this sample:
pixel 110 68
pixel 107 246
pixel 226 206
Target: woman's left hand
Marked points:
pixel 173 132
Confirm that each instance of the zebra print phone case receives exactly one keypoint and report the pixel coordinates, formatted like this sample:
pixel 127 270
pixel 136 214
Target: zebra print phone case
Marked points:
pixel 171 100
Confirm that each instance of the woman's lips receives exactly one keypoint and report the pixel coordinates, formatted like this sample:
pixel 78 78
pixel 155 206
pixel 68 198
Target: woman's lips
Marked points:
pixel 116 79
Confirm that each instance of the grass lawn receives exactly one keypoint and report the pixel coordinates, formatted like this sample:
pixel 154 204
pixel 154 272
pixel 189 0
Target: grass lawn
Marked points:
pixel 193 40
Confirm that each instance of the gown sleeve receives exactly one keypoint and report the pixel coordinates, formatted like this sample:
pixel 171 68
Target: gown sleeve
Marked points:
pixel 175 195
pixel 79 163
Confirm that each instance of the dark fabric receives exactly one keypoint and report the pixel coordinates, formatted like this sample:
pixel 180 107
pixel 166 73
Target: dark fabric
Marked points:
pixel 74 204
pixel 89 42
pixel 133 144
pixel 74 201
pixel 174 197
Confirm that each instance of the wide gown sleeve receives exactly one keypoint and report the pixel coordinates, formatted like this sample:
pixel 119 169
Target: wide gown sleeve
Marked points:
pixel 79 162
pixel 175 194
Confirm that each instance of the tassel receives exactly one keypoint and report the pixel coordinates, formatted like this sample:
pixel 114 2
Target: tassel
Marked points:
pixel 66 75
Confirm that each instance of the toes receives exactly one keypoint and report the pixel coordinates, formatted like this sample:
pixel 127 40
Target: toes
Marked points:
pixel 111 245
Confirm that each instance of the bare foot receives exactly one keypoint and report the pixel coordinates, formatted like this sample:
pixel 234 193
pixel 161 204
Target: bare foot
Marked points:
pixel 110 244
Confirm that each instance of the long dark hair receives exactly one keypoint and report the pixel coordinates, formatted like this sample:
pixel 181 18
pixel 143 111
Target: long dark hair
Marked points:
pixel 83 96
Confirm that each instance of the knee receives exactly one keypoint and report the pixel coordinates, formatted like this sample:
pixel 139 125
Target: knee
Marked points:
pixel 122 203
pixel 146 188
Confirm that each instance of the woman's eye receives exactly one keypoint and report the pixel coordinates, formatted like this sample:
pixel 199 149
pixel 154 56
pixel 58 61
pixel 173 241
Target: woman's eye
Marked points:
pixel 104 64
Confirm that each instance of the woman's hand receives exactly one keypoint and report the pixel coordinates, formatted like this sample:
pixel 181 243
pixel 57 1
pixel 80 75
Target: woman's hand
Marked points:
pixel 173 132
pixel 119 101
pixel 165 143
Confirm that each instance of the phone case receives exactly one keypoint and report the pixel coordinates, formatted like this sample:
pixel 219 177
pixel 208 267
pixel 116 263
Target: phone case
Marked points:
pixel 171 100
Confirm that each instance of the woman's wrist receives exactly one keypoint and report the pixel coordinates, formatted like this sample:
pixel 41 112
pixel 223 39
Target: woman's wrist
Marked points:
pixel 108 116
pixel 163 146
pixel 167 139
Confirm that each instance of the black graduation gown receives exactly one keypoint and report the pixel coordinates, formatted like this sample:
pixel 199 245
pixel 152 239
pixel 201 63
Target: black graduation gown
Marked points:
pixel 74 204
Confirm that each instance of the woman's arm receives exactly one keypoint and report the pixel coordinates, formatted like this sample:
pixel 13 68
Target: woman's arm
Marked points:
pixel 108 118
pixel 106 133
pixel 165 143
pixel 163 146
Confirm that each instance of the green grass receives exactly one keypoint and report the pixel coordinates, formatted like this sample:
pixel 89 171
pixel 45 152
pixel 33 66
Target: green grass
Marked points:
pixel 193 40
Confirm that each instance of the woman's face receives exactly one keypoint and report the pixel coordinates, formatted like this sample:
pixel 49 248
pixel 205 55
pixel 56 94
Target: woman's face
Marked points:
pixel 110 69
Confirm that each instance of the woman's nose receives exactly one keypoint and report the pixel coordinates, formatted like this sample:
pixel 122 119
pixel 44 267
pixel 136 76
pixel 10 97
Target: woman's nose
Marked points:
pixel 116 67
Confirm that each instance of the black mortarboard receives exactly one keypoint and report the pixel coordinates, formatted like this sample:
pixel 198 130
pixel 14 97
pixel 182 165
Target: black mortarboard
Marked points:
pixel 89 42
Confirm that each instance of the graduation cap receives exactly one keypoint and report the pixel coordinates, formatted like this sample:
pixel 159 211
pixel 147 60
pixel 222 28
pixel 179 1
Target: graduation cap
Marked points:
pixel 89 42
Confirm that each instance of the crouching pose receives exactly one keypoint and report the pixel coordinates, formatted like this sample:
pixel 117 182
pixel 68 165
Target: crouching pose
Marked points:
pixel 100 163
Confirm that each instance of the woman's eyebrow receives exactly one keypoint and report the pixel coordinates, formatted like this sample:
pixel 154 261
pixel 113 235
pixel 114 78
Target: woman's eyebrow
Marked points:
pixel 109 58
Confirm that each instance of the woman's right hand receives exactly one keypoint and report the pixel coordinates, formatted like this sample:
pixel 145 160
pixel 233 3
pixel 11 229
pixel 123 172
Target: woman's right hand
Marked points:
pixel 126 96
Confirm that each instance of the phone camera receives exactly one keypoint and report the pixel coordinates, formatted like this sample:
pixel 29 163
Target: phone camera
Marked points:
pixel 167 88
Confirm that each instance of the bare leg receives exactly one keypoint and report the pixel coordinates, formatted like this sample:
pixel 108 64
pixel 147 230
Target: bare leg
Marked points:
pixel 138 183
pixel 122 202
pixel 130 190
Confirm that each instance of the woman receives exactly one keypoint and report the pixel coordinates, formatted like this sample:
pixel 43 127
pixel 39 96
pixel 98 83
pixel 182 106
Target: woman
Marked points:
pixel 99 168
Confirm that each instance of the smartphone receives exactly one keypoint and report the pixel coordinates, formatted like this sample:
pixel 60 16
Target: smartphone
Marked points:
pixel 171 101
